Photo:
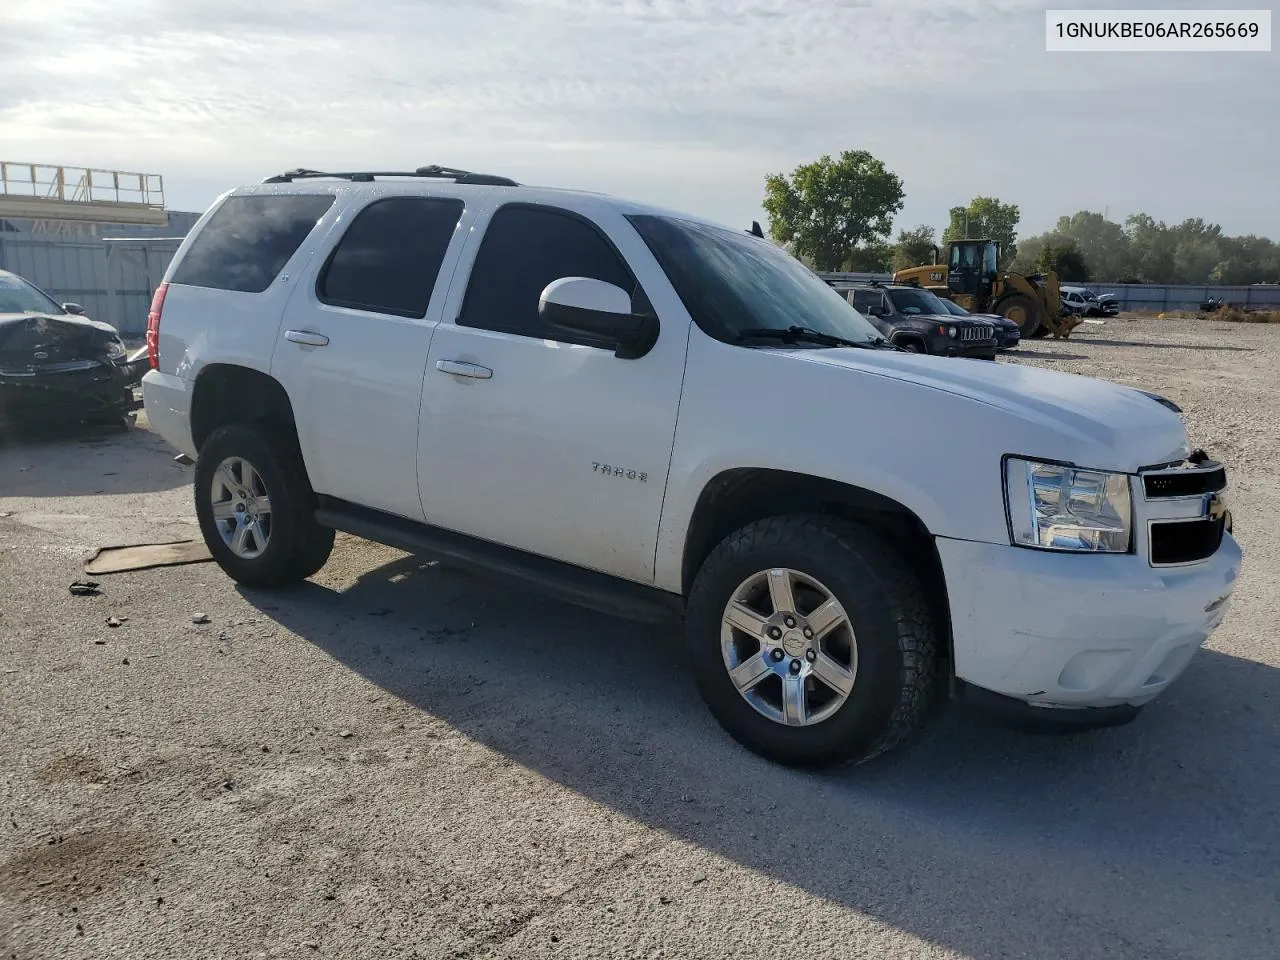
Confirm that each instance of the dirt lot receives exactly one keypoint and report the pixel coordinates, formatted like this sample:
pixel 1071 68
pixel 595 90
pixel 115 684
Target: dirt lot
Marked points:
pixel 399 760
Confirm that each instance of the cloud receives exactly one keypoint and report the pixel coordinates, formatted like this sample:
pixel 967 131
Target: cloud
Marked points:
pixel 657 95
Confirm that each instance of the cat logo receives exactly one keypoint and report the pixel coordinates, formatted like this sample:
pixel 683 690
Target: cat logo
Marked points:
pixel 935 277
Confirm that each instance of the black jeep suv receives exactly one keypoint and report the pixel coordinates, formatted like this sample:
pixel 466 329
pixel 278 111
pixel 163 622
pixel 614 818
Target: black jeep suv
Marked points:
pixel 918 321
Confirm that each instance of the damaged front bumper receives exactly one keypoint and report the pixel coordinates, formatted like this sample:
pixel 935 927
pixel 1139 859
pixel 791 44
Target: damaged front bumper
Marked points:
pixel 76 388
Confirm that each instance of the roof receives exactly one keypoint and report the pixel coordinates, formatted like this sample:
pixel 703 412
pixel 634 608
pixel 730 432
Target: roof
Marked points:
pixel 453 182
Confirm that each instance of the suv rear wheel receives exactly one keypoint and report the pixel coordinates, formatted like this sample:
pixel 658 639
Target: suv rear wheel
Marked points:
pixel 256 507
pixel 812 641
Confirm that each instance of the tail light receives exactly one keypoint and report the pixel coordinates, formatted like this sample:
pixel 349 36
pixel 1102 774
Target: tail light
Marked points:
pixel 153 325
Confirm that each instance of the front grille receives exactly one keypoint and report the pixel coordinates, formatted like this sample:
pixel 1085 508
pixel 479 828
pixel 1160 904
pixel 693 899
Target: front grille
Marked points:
pixel 1185 541
pixel 977 333
pixel 1190 481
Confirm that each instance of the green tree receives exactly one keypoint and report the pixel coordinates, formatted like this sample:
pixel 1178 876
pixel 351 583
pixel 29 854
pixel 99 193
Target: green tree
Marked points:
pixel 1064 260
pixel 1151 246
pixel 914 247
pixel 828 207
pixel 987 218
pixel 1103 243
pixel 1247 260
pixel 869 258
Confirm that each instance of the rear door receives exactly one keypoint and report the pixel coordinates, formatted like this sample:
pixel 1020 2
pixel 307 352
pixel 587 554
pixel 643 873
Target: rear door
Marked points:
pixel 354 342
pixel 536 438
pixel 870 303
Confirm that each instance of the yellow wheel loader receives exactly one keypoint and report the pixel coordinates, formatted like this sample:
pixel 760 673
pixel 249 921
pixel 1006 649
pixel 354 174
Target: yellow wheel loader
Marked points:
pixel 972 278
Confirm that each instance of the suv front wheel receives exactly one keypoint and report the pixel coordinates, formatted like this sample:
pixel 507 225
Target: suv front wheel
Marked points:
pixel 256 507
pixel 812 641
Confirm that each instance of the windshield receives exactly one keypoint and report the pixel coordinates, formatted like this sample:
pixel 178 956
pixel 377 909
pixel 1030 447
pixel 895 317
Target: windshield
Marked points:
pixel 731 282
pixel 953 308
pixel 913 302
pixel 18 296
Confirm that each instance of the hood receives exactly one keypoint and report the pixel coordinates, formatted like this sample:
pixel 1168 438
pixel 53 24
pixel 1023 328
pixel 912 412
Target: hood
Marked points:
pixel 27 338
pixel 9 319
pixel 948 319
pixel 1091 422
pixel 995 318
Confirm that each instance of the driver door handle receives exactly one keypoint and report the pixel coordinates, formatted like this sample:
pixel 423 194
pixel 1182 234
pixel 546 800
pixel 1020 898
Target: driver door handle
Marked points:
pixel 306 338
pixel 460 368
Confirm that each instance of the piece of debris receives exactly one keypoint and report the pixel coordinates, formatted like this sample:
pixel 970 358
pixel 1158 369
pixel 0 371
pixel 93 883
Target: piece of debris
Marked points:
pixel 311 944
pixel 84 588
pixel 700 878
pixel 99 642
pixel 6 513
pixel 199 618
pixel 344 734
pixel 183 459
pixel 125 661
pixel 145 556
pixel 115 621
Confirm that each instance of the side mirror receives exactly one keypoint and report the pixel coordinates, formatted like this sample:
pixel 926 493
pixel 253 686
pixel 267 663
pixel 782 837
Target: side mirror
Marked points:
pixel 73 308
pixel 600 310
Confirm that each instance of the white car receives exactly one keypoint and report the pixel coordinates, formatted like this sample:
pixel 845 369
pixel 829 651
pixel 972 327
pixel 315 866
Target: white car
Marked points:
pixel 1084 302
pixel 660 417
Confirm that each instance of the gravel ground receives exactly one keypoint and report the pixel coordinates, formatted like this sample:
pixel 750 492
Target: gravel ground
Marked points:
pixel 400 760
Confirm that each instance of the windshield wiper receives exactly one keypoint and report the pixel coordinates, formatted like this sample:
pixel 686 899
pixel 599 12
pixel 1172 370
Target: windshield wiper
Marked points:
pixel 798 334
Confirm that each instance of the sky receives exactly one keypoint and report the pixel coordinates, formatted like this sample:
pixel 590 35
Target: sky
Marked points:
pixel 683 104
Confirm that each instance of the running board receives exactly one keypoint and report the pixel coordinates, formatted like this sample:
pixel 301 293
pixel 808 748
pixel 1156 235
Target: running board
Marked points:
pixel 572 584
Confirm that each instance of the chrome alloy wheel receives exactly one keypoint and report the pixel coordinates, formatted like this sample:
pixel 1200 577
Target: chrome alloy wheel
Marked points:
pixel 241 508
pixel 789 647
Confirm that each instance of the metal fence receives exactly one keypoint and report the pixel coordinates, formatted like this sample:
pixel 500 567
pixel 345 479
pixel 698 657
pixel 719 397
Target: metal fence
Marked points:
pixel 112 277
pixel 1150 296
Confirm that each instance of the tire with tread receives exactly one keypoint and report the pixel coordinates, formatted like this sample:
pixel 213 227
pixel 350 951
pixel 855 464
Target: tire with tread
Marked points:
pixel 298 546
pixel 1032 313
pixel 896 683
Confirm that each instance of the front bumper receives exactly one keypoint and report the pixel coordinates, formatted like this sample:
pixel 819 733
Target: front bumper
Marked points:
pixel 1067 630
pixel 82 388
pixel 976 350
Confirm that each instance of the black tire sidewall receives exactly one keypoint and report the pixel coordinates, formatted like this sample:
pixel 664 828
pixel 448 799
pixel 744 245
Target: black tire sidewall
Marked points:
pixel 854 729
pixel 276 561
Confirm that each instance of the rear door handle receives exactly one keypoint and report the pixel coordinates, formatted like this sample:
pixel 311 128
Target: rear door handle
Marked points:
pixel 460 368
pixel 306 338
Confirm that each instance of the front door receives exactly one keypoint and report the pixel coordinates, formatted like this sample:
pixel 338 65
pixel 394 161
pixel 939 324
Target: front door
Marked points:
pixel 964 268
pixel 353 346
pixel 535 438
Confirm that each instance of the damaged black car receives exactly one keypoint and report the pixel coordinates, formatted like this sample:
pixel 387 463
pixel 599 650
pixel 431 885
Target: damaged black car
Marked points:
pixel 56 363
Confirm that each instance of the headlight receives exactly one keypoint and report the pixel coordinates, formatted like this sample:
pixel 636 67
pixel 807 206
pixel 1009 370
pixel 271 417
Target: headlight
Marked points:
pixel 1061 508
pixel 115 350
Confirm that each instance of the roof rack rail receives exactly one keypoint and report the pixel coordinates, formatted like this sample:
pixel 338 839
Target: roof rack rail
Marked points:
pixel 434 172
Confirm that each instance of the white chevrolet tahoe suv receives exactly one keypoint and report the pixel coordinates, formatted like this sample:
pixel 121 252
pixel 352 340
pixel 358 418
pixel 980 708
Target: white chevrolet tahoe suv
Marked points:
pixel 656 416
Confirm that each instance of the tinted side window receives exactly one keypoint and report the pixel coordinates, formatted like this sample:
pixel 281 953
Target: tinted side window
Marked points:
pixel 248 240
pixel 524 249
pixel 388 259
pixel 863 301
